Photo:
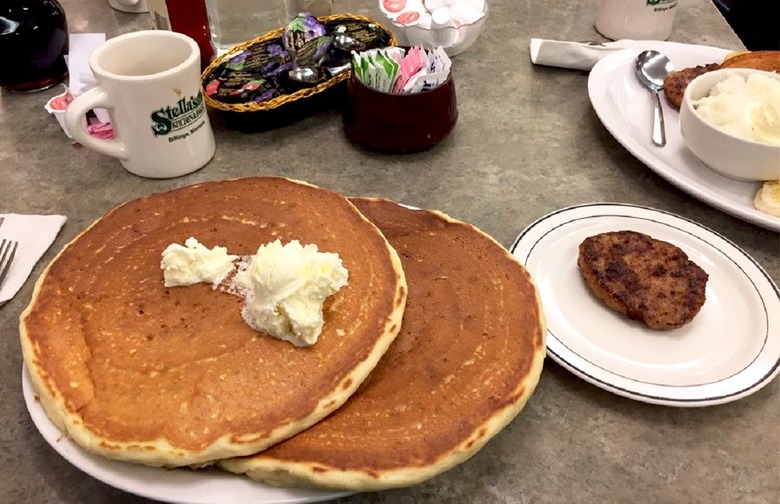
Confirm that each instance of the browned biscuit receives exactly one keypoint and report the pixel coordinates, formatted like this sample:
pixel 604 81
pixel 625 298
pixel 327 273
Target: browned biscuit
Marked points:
pixel 644 278
pixel 759 60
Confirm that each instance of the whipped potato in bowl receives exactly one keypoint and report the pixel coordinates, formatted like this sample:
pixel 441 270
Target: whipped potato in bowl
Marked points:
pixel 730 119
pixel 747 106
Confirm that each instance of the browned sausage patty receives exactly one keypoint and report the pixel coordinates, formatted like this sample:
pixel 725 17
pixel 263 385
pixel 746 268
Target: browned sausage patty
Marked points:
pixel 643 278
pixel 676 82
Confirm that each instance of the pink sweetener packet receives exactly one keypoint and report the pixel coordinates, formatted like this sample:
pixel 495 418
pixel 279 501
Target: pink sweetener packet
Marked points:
pixel 98 128
pixel 412 64
pixel 435 73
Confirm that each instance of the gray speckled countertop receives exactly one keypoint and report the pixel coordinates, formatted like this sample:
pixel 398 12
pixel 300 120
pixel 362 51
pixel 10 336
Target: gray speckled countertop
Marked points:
pixel 527 143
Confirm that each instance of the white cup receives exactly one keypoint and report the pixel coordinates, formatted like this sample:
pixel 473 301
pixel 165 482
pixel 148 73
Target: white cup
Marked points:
pixel 133 6
pixel 149 81
pixel 636 19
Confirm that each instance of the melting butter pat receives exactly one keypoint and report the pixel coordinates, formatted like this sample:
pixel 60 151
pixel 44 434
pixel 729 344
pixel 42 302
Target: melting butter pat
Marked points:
pixel 285 288
pixel 195 263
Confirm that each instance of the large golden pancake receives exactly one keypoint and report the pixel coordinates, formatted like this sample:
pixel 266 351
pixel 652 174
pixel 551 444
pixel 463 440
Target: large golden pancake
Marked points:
pixel 467 359
pixel 174 376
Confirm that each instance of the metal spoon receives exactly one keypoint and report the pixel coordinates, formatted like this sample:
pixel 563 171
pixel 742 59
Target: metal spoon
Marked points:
pixel 347 42
pixel 652 68
pixel 312 75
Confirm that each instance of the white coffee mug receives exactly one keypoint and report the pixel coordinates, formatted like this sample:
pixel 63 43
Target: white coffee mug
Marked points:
pixel 133 6
pixel 149 81
pixel 636 19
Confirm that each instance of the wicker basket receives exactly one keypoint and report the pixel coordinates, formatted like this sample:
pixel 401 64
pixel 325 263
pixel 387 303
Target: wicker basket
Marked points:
pixel 297 96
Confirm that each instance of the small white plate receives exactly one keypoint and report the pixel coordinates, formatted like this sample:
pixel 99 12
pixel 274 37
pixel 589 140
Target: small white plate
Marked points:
pixel 625 108
pixel 208 486
pixel 730 349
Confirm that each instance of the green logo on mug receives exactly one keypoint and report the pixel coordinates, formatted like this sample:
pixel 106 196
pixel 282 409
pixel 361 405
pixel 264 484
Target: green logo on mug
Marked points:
pixel 179 116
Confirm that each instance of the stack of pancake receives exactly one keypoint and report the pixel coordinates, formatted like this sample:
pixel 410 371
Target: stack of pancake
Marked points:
pixel 435 344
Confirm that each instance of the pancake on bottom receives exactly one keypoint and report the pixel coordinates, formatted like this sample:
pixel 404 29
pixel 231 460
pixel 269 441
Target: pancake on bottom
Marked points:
pixel 174 376
pixel 468 357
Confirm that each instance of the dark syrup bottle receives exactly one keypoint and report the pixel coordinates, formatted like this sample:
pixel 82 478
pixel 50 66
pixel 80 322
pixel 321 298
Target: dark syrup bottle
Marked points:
pixel 33 42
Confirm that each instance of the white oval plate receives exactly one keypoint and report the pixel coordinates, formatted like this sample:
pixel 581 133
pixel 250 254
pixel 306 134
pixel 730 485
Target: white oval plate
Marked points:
pixel 207 486
pixel 730 349
pixel 625 108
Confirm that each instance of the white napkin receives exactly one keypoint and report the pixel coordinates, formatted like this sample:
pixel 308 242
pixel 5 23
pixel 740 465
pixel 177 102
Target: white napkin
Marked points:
pixel 576 55
pixel 35 234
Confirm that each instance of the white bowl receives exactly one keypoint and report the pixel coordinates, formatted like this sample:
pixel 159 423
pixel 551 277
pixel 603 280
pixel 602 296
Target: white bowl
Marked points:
pixel 727 154
pixel 454 40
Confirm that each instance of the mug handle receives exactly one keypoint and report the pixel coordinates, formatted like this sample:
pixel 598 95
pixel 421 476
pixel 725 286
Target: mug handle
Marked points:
pixel 77 109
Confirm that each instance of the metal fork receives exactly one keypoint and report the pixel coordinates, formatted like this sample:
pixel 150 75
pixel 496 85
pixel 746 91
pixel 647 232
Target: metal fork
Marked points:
pixel 7 252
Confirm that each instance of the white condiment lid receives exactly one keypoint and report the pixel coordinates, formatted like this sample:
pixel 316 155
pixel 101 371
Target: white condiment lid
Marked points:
pixel 441 16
